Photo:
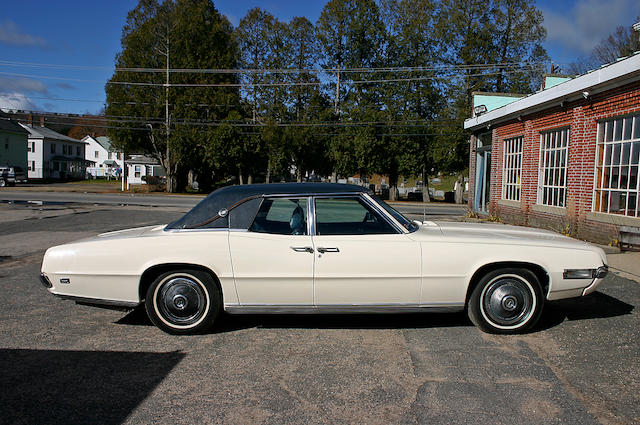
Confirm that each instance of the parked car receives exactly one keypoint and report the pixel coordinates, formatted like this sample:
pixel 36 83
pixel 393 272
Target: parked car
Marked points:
pixel 10 175
pixel 321 248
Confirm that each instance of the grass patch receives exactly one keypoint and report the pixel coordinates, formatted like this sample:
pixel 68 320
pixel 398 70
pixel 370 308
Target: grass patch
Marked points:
pixel 97 181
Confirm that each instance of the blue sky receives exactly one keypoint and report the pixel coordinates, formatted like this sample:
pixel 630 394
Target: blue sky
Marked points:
pixel 86 34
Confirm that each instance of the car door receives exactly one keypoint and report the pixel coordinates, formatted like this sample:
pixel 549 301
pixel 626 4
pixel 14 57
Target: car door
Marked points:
pixel 362 258
pixel 273 260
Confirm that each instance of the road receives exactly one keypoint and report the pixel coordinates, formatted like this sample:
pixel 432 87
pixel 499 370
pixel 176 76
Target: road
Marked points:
pixel 414 211
pixel 68 364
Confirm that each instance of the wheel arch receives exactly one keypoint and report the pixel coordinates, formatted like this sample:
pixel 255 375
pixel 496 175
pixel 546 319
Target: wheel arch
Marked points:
pixel 151 273
pixel 538 270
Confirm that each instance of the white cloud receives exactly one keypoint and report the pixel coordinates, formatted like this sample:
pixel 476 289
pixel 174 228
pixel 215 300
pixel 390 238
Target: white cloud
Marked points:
pixel 21 84
pixel 12 35
pixel 588 22
pixel 16 101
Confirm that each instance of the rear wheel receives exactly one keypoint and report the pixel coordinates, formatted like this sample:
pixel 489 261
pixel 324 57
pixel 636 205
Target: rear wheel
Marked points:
pixel 2 183
pixel 506 301
pixel 183 301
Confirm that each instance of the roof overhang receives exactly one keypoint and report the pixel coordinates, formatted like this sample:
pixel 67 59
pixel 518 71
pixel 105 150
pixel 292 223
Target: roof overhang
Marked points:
pixel 610 76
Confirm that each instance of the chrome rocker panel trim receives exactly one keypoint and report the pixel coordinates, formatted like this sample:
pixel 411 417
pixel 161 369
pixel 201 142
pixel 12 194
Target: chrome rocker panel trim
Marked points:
pixel 343 309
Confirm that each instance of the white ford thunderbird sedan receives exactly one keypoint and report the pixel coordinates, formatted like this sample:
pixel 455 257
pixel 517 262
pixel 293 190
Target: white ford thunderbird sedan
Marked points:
pixel 321 248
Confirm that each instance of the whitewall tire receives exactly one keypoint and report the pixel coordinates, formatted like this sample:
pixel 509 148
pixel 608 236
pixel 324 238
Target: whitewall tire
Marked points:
pixel 183 301
pixel 506 301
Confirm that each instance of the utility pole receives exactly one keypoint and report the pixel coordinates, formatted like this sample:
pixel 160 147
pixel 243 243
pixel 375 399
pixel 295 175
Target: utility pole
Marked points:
pixel 166 118
pixel 337 100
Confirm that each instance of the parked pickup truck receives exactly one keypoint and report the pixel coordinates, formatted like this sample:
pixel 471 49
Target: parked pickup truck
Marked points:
pixel 10 175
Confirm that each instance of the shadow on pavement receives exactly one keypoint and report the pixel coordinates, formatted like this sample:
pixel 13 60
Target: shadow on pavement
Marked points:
pixel 230 323
pixel 594 306
pixel 77 387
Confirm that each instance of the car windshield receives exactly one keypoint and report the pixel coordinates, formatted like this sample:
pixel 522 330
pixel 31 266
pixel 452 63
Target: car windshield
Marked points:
pixel 404 221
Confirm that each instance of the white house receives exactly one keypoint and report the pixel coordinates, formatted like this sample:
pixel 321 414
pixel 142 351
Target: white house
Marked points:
pixel 100 152
pixel 54 155
pixel 139 166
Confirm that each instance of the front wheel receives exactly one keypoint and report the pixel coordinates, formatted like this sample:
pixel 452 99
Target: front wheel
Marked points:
pixel 506 301
pixel 183 301
pixel 3 183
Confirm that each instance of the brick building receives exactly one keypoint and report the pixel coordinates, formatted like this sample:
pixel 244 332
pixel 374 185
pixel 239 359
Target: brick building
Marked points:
pixel 565 158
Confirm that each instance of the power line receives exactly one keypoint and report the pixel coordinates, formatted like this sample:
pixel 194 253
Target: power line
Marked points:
pixel 422 68
pixel 151 119
pixel 238 85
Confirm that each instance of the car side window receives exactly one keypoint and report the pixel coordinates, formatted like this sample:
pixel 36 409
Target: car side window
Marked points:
pixel 282 216
pixel 349 216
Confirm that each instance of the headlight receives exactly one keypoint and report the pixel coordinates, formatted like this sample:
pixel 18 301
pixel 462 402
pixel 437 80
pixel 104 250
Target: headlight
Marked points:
pixel 600 272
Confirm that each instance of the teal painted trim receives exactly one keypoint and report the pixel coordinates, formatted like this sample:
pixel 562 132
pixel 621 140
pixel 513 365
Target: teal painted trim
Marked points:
pixel 493 101
pixel 550 81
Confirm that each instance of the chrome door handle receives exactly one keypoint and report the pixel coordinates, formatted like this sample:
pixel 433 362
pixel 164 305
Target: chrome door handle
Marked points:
pixel 302 249
pixel 324 250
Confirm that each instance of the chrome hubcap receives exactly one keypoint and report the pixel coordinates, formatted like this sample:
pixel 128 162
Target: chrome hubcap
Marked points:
pixel 181 300
pixel 508 301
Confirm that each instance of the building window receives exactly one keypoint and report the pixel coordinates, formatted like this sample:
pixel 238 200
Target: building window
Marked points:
pixel 512 169
pixel 96 154
pixel 33 146
pixel 78 151
pixel 53 148
pixel 33 166
pixel 554 154
pixel 137 171
pixel 617 162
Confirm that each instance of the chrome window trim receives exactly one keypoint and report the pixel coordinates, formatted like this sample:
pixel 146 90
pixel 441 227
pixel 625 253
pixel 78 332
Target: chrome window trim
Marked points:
pixel 311 216
pixel 266 196
pixel 385 216
pixel 384 213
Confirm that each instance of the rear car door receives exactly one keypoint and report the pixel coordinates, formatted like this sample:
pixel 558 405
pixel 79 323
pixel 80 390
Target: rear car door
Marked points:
pixel 273 259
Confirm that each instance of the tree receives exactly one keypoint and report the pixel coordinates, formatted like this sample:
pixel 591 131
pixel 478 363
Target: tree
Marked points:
pixel 351 35
pixel 93 125
pixel 159 110
pixel 624 41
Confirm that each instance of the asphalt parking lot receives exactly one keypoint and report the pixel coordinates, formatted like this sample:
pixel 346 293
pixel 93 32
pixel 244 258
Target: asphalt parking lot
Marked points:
pixel 65 363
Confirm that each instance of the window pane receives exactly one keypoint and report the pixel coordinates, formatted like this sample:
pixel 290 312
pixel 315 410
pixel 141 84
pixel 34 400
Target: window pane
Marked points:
pixel 636 128
pixel 633 203
pixel 626 153
pixel 635 153
pixel 615 174
pixel 608 154
pixel 609 131
pixel 628 124
pixel 618 130
pixel 633 177
pixel 348 216
pixel 616 154
pixel 281 216
pixel 624 177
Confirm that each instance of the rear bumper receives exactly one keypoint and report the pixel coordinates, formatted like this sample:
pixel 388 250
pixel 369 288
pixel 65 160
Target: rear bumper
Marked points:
pixel 96 302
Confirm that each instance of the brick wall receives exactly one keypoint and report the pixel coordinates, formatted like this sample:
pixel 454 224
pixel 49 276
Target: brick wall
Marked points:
pixel 582 118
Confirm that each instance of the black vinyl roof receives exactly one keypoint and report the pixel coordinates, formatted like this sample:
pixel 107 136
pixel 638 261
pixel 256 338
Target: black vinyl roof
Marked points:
pixel 228 197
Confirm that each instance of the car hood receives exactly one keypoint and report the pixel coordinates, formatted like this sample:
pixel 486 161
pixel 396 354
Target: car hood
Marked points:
pixel 497 233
